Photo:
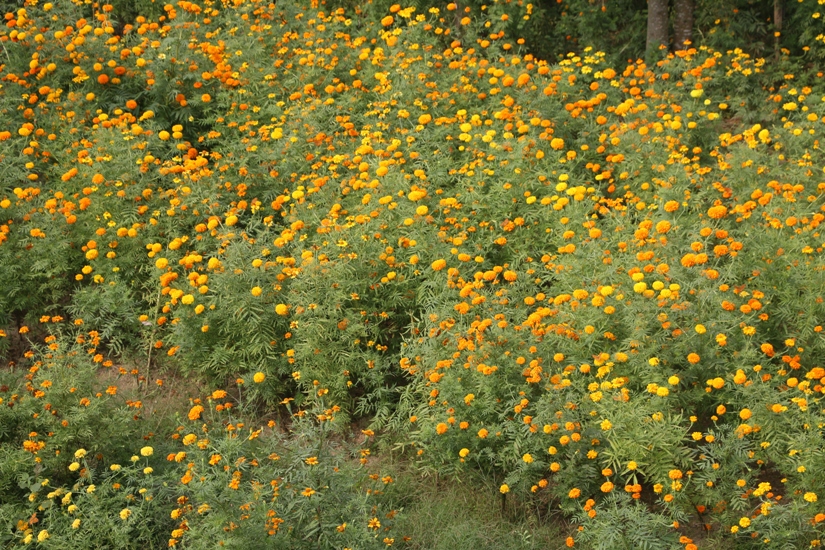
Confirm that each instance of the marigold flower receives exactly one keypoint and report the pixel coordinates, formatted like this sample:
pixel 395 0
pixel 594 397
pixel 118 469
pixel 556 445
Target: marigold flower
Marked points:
pixel 195 413
pixel 717 212
pixel 671 206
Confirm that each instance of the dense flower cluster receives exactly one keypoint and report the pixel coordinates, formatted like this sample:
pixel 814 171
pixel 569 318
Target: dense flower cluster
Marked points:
pixel 601 284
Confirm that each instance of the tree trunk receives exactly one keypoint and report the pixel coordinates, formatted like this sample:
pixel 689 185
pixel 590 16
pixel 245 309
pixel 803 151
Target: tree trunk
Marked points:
pixel 682 23
pixel 656 27
pixel 778 16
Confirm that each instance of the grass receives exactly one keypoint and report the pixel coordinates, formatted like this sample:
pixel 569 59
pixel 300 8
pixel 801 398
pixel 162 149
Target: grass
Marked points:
pixel 442 514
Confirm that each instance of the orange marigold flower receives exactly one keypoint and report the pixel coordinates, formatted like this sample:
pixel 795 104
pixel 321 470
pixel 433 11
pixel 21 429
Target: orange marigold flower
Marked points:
pixel 195 412
pixel 439 264
pixel 717 212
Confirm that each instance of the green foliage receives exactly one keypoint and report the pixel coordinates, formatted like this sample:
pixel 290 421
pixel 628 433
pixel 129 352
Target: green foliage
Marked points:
pixel 595 284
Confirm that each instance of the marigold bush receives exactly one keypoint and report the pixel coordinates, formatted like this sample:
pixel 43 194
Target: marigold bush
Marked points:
pixel 601 286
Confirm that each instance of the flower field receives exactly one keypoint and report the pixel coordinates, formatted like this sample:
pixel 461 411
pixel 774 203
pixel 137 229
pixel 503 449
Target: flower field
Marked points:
pixel 599 287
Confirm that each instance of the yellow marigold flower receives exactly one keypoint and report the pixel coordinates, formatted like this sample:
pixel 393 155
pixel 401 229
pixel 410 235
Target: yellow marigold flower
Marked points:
pixel 282 309
pixel 504 489
pixel 527 458
pixel 256 291
pixel 125 513
pixel 74 466
pixel 810 496
pixel 464 452
pixel 259 377
pixel 147 451
pixel 744 522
